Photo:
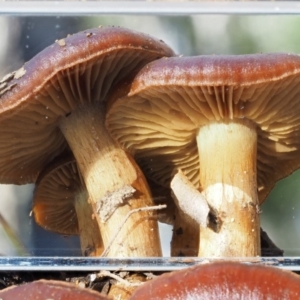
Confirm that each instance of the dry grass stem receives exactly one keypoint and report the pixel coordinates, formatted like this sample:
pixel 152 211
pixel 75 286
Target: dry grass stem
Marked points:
pixel 119 279
pixel 148 208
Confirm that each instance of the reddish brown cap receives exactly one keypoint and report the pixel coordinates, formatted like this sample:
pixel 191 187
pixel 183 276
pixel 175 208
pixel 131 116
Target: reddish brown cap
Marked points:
pixel 171 98
pixel 72 72
pixel 54 197
pixel 51 289
pixel 225 280
pixel 61 204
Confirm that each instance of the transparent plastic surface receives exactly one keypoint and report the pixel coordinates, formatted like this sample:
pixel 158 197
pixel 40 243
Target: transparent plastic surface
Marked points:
pixel 149 7
pixel 226 28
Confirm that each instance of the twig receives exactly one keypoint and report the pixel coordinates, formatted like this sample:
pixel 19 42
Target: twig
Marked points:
pixel 118 278
pixel 106 250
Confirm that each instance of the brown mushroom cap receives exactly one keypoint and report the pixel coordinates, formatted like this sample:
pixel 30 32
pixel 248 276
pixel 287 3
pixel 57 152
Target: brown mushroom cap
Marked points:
pixel 49 289
pixel 54 197
pixel 61 204
pixel 225 280
pixel 79 69
pixel 171 98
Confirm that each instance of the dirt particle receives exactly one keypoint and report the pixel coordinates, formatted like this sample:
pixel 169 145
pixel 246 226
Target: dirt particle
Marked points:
pixel 3 91
pixel 3 85
pixel 7 77
pixel 179 231
pixel 19 73
pixel 61 42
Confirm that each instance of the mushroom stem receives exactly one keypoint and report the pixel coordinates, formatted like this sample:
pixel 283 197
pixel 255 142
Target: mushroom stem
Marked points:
pixel 227 157
pixel 108 173
pixel 90 238
pixel 186 233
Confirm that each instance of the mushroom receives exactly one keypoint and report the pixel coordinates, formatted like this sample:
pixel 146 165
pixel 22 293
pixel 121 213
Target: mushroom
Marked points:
pixel 60 204
pixel 49 289
pixel 230 123
pixel 222 280
pixel 56 101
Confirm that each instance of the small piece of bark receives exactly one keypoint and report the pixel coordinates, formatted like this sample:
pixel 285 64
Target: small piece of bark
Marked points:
pixel 8 77
pixel 189 200
pixel 111 200
pixel 4 88
pixel 119 278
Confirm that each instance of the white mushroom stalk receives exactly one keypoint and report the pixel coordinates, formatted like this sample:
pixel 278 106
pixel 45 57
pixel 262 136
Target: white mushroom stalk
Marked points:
pixel 106 168
pixel 227 159
pixel 88 230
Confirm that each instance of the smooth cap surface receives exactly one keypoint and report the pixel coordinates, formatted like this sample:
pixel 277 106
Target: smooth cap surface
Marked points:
pixel 49 289
pixel 224 281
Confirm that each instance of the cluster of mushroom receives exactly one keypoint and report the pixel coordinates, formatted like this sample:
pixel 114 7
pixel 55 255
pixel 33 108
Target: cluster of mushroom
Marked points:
pixel 87 117
pixel 219 280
